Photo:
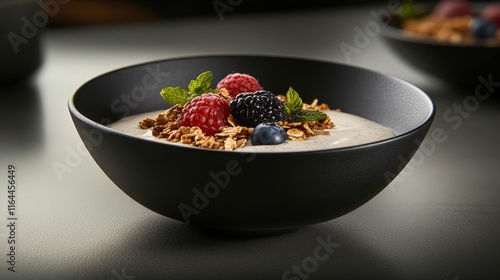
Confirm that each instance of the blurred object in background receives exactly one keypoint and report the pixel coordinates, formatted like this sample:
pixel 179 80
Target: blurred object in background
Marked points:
pixel 85 12
pixel 20 27
pixel 91 12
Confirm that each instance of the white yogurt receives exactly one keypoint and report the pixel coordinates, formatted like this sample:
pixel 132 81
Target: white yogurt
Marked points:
pixel 349 130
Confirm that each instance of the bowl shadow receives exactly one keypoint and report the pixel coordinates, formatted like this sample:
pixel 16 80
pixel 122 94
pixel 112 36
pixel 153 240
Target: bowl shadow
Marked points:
pixel 170 249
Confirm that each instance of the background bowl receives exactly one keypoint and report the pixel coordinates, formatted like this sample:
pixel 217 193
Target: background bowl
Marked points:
pixel 460 64
pixel 251 191
pixel 21 27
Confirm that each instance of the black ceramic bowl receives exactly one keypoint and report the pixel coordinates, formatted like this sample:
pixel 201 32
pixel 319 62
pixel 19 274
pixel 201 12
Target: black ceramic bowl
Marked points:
pixel 460 64
pixel 248 191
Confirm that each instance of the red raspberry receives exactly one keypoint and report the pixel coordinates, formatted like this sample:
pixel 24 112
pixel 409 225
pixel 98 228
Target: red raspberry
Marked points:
pixel 208 111
pixel 492 13
pixel 237 83
pixel 452 8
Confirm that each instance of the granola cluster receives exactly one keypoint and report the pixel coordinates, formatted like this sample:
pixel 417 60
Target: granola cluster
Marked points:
pixel 232 136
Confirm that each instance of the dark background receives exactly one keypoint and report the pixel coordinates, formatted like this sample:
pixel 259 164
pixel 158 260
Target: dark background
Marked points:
pixel 78 12
pixel 85 12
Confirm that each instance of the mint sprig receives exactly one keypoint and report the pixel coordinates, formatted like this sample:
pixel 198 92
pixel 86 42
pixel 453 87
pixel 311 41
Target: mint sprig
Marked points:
pixel 176 95
pixel 308 115
pixel 197 87
pixel 201 84
pixel 294 111
pixel 293 103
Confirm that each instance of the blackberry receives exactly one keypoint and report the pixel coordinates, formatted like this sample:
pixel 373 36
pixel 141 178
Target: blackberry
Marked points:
pixel 253 108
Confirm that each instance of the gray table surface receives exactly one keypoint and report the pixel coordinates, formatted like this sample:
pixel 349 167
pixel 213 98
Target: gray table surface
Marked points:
pixel 440 219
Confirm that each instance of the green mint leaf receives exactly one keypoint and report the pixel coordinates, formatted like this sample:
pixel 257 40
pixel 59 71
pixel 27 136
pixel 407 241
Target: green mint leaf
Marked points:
pixel 293 109
pixel 408 10
pixel 293 102
pixel 201 84
pixel 307 115
pixel 176 95
pixel 198 86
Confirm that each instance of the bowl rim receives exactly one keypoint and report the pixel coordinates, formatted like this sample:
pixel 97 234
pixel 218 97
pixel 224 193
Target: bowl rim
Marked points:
pixel 76 113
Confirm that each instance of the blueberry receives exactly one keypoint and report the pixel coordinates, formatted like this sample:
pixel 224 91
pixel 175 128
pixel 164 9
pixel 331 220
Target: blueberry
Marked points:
pixel 268 134
pixel 482 29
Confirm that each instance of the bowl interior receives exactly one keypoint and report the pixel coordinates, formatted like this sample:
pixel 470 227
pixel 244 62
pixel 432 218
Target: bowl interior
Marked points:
pixel 378 97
